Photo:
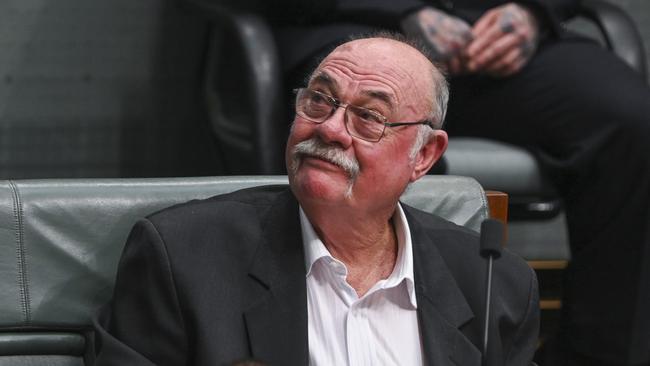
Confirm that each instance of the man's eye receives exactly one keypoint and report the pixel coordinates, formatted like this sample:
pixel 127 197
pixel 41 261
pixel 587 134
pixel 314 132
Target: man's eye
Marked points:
pixel 318 103
pixel 318 99
pixel 368 115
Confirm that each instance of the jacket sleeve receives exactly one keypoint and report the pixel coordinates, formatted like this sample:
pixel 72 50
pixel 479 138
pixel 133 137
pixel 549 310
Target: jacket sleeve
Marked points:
pixel 142 325
pixel 526 336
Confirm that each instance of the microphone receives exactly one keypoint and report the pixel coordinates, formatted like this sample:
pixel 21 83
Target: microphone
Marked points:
pixel 491 241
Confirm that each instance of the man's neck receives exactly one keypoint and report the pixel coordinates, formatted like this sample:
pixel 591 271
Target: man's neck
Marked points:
pixel 365 243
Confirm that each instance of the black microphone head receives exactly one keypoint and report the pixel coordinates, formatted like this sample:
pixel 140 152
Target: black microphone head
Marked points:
pixel 491 238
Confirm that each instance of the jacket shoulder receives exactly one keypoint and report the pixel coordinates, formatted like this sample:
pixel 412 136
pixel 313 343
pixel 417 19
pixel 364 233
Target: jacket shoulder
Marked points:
pixel 226 207
pixel 451 236
pixel 460 249
pixel 234 219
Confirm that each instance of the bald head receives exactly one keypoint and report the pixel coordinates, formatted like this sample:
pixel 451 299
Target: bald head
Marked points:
pixel 385 48
pixel 417 84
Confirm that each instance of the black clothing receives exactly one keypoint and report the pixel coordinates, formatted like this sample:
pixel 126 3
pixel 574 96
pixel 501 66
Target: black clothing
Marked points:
pixel 223 279
pixel 586 116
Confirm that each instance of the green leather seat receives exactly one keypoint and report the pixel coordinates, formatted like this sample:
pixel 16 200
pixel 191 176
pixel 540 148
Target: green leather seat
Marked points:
pixel 60 241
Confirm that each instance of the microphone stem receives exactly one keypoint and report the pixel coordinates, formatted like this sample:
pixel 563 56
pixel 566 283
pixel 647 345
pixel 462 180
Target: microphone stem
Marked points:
pixel 486 328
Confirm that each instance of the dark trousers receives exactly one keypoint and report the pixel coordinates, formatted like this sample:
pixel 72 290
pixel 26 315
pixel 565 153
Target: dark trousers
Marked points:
pixel 586 116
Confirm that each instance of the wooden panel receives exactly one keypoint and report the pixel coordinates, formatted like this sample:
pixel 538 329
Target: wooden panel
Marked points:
pixel 498 205
pixel 558 264
pixel 551 304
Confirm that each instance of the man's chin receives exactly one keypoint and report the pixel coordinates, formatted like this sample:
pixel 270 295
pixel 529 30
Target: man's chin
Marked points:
pixel 310 182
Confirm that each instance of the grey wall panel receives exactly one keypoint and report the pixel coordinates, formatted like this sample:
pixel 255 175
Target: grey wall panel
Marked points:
pixel 101 89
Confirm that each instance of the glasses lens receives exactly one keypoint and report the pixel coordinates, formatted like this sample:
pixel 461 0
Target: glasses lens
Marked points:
pixel 364 123
pixel 313 106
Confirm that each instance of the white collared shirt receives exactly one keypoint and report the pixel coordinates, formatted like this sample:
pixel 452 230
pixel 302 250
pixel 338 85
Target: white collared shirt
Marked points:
pixel 380 328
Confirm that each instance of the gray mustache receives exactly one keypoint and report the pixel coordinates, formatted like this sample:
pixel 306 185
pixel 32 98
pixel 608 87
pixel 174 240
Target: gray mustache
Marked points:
pixel 317 148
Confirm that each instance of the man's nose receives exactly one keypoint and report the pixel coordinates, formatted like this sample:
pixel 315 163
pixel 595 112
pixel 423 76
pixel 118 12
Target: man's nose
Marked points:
pixel 333 131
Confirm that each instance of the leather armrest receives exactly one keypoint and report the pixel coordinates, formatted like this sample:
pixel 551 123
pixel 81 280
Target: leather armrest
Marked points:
pixel 42 343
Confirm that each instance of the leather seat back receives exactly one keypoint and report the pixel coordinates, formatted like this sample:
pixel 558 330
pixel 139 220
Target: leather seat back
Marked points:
pixel 60 242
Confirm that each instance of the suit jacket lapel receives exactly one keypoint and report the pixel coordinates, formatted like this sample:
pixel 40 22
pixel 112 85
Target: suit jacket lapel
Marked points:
pixel 442 307
pixel 277 323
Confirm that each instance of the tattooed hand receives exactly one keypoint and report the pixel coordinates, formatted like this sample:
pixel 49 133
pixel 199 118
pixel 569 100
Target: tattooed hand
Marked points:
pixel 446 35
pixel 505 38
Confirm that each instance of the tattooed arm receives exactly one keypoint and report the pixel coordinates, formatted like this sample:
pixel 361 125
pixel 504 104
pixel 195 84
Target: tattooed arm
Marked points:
pixel 505 38
pixel 447 36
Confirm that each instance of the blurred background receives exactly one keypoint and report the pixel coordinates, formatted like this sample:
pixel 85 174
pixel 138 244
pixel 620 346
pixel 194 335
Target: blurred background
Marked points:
pixel 102 89
pixel 639 10
pixel 114 88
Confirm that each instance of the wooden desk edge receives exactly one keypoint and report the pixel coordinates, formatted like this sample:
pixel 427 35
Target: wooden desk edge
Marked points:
pixel 498 205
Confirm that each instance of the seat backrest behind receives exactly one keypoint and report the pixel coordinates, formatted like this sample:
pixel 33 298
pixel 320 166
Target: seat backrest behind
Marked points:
pixel 60 242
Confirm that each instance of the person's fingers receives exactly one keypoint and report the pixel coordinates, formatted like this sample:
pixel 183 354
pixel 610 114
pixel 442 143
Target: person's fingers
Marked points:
pixel 448 37
pixel 485 21
pixel 486 30
pixel 445 35
pixel 462 35
pixel 461 30
pixel 512 68
pixel 455 45
pixel 496 51
pixel 507 63
pixel 481 44
pixel 504 40
pixel 425 25
pixel 467 36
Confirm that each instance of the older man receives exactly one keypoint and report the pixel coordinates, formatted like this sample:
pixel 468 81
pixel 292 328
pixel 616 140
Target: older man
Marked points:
pixel 335 270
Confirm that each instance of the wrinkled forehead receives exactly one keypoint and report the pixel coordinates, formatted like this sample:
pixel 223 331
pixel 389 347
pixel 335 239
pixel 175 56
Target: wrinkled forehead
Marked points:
pixel 390 66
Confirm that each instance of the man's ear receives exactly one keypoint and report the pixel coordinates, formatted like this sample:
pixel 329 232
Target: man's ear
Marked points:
pixel 429 153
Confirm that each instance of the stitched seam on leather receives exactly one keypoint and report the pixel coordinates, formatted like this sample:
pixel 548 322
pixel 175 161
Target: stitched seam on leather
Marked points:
pixel 486 210
pixel 23 284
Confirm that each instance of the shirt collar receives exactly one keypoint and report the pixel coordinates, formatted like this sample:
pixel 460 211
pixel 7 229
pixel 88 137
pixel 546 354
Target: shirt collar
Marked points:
pixel 314 247
pixel 403 271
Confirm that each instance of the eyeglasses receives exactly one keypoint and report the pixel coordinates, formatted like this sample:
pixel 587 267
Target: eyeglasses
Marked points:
pixel 360 122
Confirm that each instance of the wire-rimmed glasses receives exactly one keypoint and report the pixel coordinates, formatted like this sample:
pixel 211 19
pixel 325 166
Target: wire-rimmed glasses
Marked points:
pixel 360 122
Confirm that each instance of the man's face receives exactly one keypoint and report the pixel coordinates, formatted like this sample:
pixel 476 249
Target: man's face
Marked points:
pixel 328 165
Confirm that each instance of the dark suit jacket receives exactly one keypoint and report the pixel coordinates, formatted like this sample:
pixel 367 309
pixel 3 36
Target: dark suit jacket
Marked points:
pixel 217 280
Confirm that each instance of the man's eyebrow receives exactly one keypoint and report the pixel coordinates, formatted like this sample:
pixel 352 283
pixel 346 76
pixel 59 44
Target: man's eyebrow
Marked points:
pixel 324 78
pixel 383 96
